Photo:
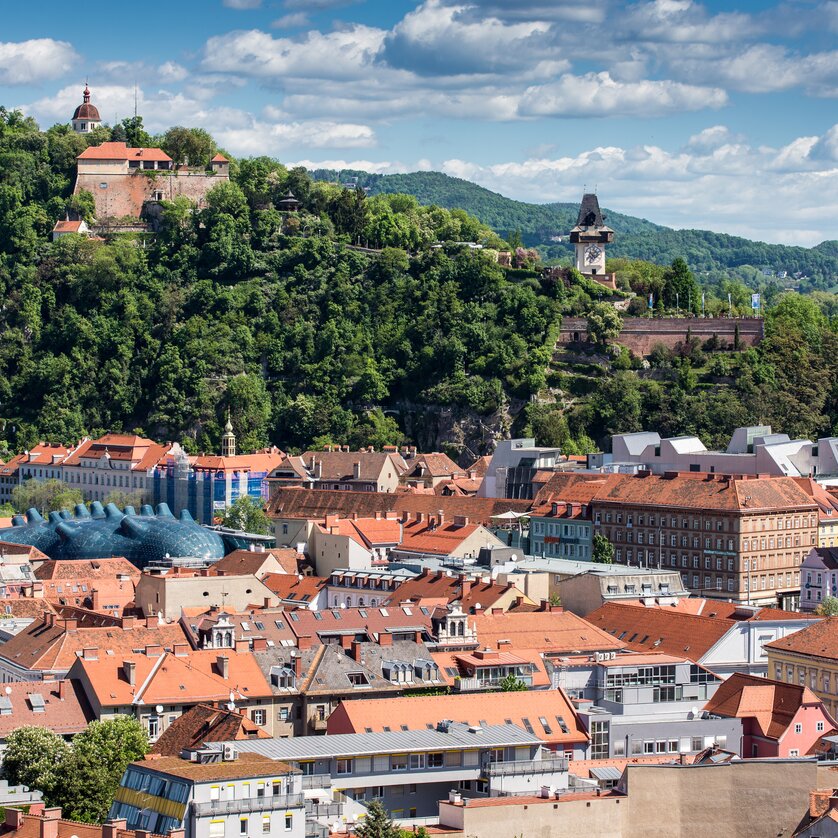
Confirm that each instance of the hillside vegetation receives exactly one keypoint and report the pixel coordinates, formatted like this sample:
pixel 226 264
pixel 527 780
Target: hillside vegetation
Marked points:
pixel 307 339
pixel 637 238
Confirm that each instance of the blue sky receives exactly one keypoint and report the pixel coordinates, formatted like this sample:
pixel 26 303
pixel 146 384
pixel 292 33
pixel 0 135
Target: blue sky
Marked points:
pixel 713 115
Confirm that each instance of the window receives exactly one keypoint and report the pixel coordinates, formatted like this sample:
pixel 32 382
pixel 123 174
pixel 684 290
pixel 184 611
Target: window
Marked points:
pixel 266 824
pixel 798 728
pixel 435 760
pixel 417 761
pixel 398 762
pixel 289 823
pixel 819 727
pixel 216 829
pixel 258 717
pixel 243 826
pixel 344 766
pixel 794 752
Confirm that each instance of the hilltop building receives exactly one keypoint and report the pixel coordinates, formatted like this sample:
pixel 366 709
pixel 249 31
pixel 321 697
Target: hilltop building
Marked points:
pixel 589 237
pixel 86 116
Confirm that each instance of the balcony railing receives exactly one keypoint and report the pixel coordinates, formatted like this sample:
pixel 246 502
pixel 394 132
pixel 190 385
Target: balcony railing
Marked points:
pixel 549 765
pixel 317 724
pixel 269 803
pixel 317 781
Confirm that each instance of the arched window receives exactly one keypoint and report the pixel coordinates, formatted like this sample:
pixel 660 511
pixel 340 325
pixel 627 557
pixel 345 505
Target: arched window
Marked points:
pixel 360 602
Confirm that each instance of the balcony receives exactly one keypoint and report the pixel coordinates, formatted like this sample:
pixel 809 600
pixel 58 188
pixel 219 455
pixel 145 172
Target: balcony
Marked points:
pixel 548 765
pixel 269 803
pixel 316 781
pixel 318 725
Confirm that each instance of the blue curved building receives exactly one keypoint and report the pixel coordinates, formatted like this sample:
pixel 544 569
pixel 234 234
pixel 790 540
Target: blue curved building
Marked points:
pixel 150 536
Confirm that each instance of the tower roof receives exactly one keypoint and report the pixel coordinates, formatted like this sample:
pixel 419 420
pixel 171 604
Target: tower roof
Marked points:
pixel 86 110
pixel 589 212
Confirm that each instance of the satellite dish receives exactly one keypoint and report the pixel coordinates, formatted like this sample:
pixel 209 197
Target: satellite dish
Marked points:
pixel 8 690
pixel 159 708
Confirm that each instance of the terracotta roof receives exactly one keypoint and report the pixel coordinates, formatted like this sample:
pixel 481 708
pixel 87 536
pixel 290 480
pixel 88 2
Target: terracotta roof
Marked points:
pixel 339 465
pixel 247 765
pixel 440 540
pixel 205 723
pixel 219 158
pixel 826 501
pixel 554 632
pixel 461 486
pixel 272 624
pixel 717 609
pixel 250 562
pixel 772 704
pixel 290 586
pixel 8 550
pixel 42 646
pixel 570 487
pixel 60 706
pixel 261 463
pixel 24 607
pixel 432 465
pixel 142 453
pixel 473 595
pixel 820 640
pixel 167 678
pixel 371 621
pixel 480 465
pixel 87 568
pixel 368 532
pixel 121 151
pixel 33 826
pixel 67 226
pixel 417 712
pixel 315 504
pixel 659 630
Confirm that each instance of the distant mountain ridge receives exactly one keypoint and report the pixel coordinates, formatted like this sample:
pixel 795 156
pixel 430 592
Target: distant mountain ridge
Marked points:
pixel 541 224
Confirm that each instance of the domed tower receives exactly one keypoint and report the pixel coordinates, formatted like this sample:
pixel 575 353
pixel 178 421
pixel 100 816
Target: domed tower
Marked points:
pixel 228 439
pixel 86 117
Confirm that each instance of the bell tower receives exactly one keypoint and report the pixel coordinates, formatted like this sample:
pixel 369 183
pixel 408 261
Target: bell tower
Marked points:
pixel 228 439
pixel 86 116
pixel 589 237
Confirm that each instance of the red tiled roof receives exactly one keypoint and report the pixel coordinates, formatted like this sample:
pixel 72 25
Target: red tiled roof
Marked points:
pixel 87 568
pixel 436 585
pixel 261 463
pixel 121 151
pixel 315 504
pixel 659 630
pixel 440 540
pixel 820 640
pixel 432 465
pixel 205 723
pixel 554 632
pixel 290 586
pixel 371 621
pixel 65 708
pixel 67 226
pixel 417 712
pixel 772 704
pixel 467 664
pixel 219 158
pixel 250 562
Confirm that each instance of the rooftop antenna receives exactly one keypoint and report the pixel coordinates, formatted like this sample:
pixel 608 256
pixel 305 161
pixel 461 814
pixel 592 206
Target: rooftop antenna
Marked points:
pixel 135 99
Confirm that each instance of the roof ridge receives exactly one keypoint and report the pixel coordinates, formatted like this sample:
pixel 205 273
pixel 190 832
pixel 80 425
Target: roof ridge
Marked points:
pixel 312 670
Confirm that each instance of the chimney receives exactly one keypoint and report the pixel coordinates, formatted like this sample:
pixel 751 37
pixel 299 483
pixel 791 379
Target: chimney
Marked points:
pixel 465 586
pixel 298 666
pixel 153 651
pixel 177 833
pixel 95 603
pixel 151 622
pixel 128 622
pixel 62 689
pixel 111 828
pixel 356 652
pixel 356 470
pixel 331 521
pixel 346 641
pixel 242 645
pixel 260 644
pixel 90 654
pixel 305 641
pixel 130 670
pixel 385 639
pixel 70 624
pixel 36 808
pixel 378 515
pixel 318 469
pixel 223 663
pixel 181 650
pixel 472 475
pixel 440 517
pixel 14 819
pixel 49 822
pixel 417 637
pixel 392 515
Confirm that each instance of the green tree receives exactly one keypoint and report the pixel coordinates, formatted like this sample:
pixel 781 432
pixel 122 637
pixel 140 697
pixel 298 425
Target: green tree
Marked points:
pixel 603 550
pixel 132 132
pixel 248 514
pixel 45 495
pixel 512 684
pixel 604 323
pixel 34 756
pixel 250 411
pixel 94 765
pixel 827 607
pixel 377 824
pixel 189 146
pixel 122 498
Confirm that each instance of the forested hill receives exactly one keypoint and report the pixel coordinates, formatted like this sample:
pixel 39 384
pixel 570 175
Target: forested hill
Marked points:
pixel 540 224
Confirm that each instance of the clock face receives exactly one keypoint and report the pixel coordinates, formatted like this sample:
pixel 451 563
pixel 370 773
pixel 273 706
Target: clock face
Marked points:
pixel 592 253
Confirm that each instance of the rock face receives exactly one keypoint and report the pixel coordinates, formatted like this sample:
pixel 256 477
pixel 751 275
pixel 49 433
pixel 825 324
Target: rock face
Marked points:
pixel 150 536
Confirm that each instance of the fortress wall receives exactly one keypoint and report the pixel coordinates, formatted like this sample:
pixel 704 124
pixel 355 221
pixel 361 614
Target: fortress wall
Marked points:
pixel 641 334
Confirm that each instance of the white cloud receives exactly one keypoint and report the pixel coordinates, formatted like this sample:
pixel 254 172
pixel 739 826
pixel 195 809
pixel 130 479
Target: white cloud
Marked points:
pixel 28 62
pixel 290 21
pixel 787 194
pixel 376 168
pixel 171 71
pixel 598 94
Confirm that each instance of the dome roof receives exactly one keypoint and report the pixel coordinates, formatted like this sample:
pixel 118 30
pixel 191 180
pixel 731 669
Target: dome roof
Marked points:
pixel 85 110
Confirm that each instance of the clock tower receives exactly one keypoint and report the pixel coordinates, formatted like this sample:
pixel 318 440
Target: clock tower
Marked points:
pixel 589 237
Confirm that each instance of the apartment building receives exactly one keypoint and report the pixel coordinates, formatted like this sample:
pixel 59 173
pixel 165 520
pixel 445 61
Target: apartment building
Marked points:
pixel 809 658
pixel 730 538
pixel 212 794
pixel 410 771
pixel 818 577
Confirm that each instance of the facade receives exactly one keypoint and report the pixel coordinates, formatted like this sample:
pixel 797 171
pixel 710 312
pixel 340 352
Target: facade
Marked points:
pixel 566 532
pixel 818 577
pixel 411 771
pixel 752 450
pixel 41 462
pixel 734 539
pixel 341 470
pixel 360 588
pixel 809 658
pixel 778 719
pixel 212 794
pixel 585 592
pixel 513 464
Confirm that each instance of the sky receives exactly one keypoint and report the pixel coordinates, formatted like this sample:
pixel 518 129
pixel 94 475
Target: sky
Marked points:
pixel 714 115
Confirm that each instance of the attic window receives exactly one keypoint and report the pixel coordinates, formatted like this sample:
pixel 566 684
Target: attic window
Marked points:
pixel 357 679
pixel 36 702
pixel 279 624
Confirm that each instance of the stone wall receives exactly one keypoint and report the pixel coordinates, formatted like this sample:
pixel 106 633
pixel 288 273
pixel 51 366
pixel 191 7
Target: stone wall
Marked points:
pixel 118 195
pixel 641 334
